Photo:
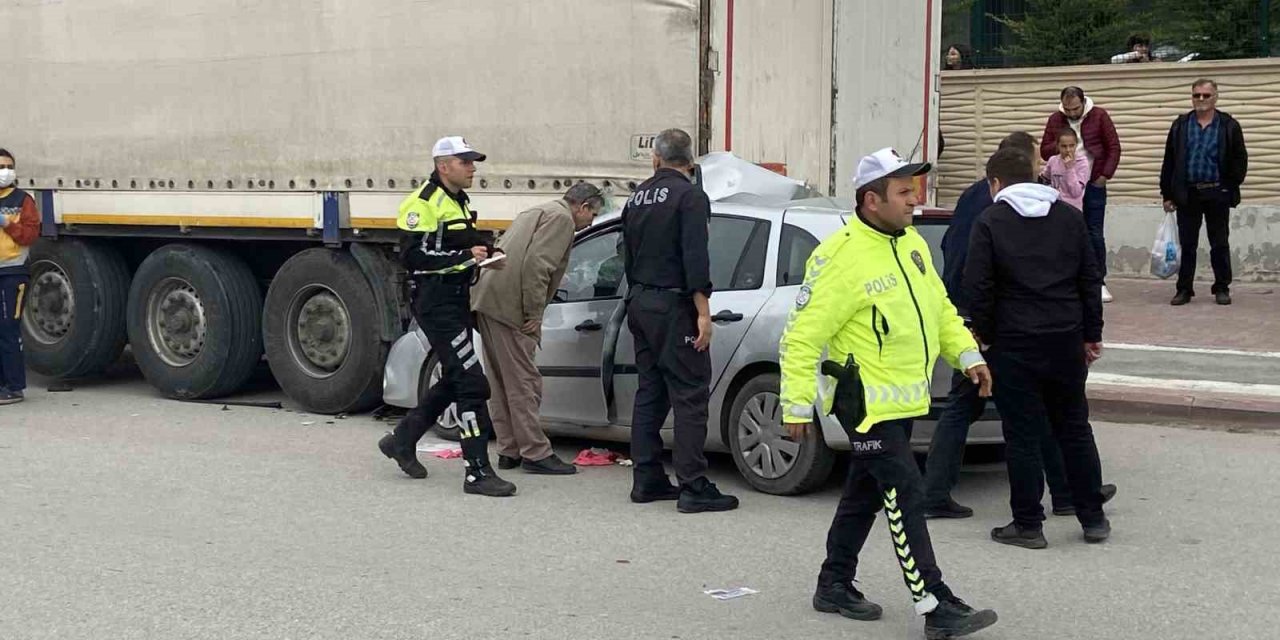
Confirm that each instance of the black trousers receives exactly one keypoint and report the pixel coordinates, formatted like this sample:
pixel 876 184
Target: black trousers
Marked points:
pixel 883 475
pixel 1040 390
pixel 443 312
pixel 1213 206
pixel 673 375
pixel 946 450
pixel 13 372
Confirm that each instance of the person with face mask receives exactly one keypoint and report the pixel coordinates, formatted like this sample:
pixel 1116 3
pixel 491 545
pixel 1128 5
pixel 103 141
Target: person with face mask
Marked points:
pixel 442 254
pixel 872 299
pixel 19 228
pixel 509 304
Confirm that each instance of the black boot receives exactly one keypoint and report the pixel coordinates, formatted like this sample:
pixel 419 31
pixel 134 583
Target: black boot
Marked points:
pixel 480 479
pixel 1065 508
pixel 652 487
pixel 845 600
pixel 508 462
pixel 551 465
pixel 953 618
pixel 1014 535
pixel 948 509
pixel 1096 533
pixel 408 460
pixel 702 495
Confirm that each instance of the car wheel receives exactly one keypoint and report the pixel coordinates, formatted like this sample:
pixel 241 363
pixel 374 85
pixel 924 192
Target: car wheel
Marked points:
pixel 769 460
pixel 447 427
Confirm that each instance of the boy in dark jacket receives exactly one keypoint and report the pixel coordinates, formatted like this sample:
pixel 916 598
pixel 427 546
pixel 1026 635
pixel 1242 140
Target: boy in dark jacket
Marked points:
pixel 1035 298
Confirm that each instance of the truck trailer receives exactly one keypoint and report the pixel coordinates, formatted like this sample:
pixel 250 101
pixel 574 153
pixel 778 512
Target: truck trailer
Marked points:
pixel 218 182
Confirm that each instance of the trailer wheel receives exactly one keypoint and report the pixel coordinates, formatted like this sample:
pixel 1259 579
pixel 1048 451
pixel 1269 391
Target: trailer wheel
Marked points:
pixel 321 333
pixel 195 321
pixel 73 317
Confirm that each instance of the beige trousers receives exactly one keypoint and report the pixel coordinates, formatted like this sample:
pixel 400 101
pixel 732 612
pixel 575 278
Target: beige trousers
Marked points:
pixel 515 390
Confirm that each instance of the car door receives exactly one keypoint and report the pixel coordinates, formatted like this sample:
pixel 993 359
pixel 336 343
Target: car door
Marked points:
pixel 739 256
pixel 574 329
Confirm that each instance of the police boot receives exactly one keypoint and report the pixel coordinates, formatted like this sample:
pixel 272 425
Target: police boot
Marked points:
pixel 702 495
pixel 953 618
pixel 844 599
pixel 650 485
pixel 481 480
pixel 407 459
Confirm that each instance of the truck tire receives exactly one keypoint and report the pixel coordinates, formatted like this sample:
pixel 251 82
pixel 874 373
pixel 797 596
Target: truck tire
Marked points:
pixel 322 333
pixel 195 321
pixel 769 462
pixel 73 318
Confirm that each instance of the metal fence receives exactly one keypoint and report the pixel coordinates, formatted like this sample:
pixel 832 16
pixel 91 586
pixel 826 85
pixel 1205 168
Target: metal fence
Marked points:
pixel 1025 33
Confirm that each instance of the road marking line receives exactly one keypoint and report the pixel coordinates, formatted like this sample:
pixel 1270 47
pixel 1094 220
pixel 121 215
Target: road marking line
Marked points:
pixel 1211 386
pixel 1216 352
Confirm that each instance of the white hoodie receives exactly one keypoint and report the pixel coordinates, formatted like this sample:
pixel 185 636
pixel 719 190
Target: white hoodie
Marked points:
pixel 1029 199
pixel 1075 126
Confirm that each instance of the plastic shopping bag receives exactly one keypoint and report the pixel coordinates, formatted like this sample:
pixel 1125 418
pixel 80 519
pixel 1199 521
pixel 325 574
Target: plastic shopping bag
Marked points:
pixel 1166 253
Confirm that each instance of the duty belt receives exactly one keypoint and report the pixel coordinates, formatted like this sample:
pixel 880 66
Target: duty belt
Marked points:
pixel 645 287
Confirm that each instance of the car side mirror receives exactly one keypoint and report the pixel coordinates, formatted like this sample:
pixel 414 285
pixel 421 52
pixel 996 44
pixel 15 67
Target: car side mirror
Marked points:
pixel 562 295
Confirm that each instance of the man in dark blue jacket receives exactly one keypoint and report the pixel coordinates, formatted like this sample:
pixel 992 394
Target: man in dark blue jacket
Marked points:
pixel 964 405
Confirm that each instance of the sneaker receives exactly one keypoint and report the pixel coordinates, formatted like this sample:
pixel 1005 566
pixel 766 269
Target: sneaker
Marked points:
pixel 1012 534
pixel 948 509
pixel 847 601
pixel 10 397
pixel 1222 297
pixel 702 495
pixel 483 481
pixel 549 466
pixel 408 460
pixel 1181 298
pixel 1093 534
pixel 953 619
pixel 1106 294
pixel 1108 492
pixel 507 463
pixel 642 493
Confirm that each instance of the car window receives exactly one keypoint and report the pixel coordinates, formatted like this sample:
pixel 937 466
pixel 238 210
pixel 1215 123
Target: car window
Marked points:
pixel 793 252
pixel 595 269
pixel 738 250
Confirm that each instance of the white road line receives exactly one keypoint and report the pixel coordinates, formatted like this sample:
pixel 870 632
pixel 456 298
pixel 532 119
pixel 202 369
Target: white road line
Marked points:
pixel 1200 386
pixel 1215 352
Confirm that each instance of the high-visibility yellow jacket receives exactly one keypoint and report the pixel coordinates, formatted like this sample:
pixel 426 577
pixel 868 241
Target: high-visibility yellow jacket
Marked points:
pixel 444 230
pixel 875 295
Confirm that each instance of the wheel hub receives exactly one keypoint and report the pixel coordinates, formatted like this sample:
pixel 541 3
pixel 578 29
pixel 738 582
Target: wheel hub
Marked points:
pixel 761 437
pixel 323 330
pixel 176 322
pixel 51 309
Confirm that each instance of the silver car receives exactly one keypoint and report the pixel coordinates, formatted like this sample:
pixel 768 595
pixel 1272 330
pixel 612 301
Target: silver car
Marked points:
pixel 758 254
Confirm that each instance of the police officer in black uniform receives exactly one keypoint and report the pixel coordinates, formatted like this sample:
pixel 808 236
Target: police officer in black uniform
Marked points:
pixel 665 229
pixel 442 256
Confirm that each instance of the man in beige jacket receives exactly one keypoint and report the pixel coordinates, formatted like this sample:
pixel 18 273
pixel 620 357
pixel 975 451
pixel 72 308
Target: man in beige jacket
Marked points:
pixel 509 305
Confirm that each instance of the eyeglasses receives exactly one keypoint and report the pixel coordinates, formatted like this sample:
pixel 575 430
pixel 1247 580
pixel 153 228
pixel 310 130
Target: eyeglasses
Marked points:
pixel 1203 96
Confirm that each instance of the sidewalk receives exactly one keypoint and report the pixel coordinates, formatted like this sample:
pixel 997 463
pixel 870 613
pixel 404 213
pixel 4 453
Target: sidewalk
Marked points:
pixel 1200 363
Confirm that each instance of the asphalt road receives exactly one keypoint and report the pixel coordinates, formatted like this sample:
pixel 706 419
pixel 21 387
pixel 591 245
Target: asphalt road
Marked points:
pixel 123 515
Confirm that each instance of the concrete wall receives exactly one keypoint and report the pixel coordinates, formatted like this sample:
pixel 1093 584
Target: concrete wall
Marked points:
pixel 980 107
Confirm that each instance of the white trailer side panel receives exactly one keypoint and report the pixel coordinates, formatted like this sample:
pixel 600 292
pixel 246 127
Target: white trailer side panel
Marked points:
pixel 337 90
pixel 886 61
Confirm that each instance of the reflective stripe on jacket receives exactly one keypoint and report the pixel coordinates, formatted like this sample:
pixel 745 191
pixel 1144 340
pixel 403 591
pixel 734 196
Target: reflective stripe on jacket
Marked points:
pixel 877 296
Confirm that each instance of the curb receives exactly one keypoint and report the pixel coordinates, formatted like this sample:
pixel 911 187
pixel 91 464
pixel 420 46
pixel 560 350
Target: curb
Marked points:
pixel 1125 403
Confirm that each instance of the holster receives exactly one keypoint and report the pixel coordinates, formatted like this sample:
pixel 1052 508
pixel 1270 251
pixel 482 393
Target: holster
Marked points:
pixel 849 405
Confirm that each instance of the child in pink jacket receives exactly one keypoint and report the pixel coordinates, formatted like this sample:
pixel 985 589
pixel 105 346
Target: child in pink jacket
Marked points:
pixel 1068 171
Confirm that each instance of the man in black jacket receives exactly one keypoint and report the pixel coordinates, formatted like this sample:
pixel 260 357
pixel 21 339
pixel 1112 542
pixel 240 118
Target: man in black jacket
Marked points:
pixel 1205 162
pixel 1035 297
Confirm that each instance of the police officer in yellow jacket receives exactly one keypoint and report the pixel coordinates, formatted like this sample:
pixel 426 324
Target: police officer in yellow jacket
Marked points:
pixel 872 299
pixel 443 251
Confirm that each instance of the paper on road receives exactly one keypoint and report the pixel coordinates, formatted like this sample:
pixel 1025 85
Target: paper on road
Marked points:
pixel 730 594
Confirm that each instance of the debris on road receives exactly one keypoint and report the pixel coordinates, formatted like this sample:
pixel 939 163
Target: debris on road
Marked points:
pixel 446 450
pixel 261 404
pixel 597 457
pixel 58 387
pixel 730 594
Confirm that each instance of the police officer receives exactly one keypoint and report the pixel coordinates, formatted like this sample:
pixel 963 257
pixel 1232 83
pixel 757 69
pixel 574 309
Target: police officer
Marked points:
pixel 665 229
pixel 441 257
pixel 872 299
